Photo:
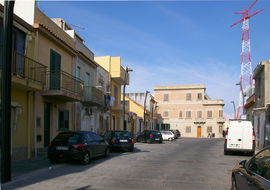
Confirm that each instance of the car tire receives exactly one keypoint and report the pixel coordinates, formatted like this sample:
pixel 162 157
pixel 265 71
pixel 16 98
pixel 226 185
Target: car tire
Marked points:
pixel 149 141
pixel 226 152
pixel 85 158
pixel 107 152
pixel 234 186
pixel 131 149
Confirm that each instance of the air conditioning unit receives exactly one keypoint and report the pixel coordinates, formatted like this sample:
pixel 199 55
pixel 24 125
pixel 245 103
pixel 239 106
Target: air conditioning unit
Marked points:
pixel 88 111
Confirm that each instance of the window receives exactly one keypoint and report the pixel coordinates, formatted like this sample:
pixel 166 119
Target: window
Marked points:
pixel 188 96
pixel 188 114
pixel 199 96
pixel 209 129
pixel 199 114
pixel 166 97
pixel 209 114
pixel 180 114
pixel 63 120
pixel 260 164
pixel 19 48
pixel 78 72
pixel 165 114
pixel 220 113
pixel 188 129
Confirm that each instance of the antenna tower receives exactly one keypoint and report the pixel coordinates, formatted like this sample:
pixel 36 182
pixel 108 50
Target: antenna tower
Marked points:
pixel 246 78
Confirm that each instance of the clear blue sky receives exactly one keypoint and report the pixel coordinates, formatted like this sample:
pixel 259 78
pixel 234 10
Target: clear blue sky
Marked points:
pixel 171 43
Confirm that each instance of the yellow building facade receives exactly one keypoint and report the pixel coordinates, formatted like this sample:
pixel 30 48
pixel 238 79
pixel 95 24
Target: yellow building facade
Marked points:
pixel 119 77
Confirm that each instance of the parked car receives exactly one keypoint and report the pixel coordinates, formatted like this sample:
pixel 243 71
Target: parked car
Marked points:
pixel 176 133
pixel 122 140
pixel 167 135
pixel 239 137
pixel 149 136
pixel 81 146
pixel 253 174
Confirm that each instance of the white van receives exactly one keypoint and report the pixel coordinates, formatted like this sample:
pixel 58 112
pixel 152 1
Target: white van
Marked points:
pixel 240 137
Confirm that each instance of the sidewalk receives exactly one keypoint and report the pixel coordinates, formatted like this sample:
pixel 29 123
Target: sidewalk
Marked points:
pixel 23 167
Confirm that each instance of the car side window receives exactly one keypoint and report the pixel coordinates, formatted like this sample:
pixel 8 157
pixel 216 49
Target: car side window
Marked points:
pixel 260 164
pixel 97 137
pixel 107 135
pixel 90 137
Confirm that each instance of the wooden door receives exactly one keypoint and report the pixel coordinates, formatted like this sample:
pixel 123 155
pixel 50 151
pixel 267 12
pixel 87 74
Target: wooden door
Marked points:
pixel 199 132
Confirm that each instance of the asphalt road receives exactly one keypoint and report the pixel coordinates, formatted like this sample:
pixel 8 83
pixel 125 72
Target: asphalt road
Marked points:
pixel 187 163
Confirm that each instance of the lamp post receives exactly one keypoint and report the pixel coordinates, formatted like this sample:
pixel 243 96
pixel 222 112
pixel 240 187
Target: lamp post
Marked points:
pixel 144 108
pixel 242 92
pixel 124 98
pixel 234 109
pixel 6 92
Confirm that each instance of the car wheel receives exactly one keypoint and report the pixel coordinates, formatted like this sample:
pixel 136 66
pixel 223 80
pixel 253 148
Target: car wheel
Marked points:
pixel 107 152
pixel 85 158
pixel 226 152
pixel 131 149
pixel 170 139
pixel 149 141
pixel 234 186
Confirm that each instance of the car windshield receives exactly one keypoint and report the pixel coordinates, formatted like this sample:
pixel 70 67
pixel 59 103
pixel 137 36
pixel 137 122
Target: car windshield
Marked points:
pixel 121 134
pixel 67 137
pixel 166 132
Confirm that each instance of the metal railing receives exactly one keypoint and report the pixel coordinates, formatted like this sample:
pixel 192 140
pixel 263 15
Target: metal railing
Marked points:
pixel 28 68
pixel 93 94
pixel 61 80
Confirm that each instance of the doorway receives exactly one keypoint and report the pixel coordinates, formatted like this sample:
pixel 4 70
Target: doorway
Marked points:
pixel 199 132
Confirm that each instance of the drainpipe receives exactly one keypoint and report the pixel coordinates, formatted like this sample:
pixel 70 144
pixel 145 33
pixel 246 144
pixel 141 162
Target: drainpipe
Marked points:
pixel 28 123
pixel 35 124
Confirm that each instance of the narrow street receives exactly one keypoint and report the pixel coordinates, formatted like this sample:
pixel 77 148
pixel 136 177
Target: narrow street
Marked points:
pixel 187 163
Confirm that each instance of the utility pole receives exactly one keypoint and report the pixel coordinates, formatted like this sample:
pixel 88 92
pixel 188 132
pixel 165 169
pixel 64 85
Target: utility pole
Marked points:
pixel 144 108
pixel 6 92
pixel 124 98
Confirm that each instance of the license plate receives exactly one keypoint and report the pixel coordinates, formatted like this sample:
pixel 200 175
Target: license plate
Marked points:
pixel 234 145
pixel 61 148
pixel 157 139
pixel 123 140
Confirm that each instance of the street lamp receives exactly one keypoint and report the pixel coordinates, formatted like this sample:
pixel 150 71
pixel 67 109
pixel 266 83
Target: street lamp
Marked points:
pixel 144 108
pixel 234 109
pixel 243 99
pixel 124 97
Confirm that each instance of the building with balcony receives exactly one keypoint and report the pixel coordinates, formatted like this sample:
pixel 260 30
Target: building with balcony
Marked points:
pixel 53 103
pixel 28 77
pixel 260 102
pixel 188 109
pixel 119 77
pixel 89 111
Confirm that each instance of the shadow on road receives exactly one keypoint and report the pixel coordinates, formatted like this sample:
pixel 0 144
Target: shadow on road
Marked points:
pixel 49 171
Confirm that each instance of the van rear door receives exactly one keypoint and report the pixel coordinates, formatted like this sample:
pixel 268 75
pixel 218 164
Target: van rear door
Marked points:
pixel 235 136
pixel 247 136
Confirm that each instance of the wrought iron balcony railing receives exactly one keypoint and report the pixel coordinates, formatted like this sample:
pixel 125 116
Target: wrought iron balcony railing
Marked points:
pixel 28 68
pixel 60 80
pixel 93 94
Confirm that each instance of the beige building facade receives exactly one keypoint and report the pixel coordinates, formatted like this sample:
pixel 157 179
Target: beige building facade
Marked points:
pixel 189 109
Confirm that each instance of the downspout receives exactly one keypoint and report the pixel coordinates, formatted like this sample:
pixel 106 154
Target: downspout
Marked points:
pixel 35 124
pixel 28 125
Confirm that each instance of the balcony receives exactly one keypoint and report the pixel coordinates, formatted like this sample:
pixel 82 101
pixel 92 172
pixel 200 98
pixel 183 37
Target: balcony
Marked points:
pixel 120 75
pixel 28 73
pixel 93 96
pixel 63 87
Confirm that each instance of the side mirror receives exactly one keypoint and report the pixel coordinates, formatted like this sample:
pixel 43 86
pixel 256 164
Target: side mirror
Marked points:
pixel 243 163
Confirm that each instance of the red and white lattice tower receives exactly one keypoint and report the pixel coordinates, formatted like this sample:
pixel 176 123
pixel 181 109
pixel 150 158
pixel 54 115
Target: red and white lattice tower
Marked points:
pixel 246 79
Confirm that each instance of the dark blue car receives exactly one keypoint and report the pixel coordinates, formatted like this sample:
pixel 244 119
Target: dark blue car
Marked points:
pixel 81 146
pixel 120 140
